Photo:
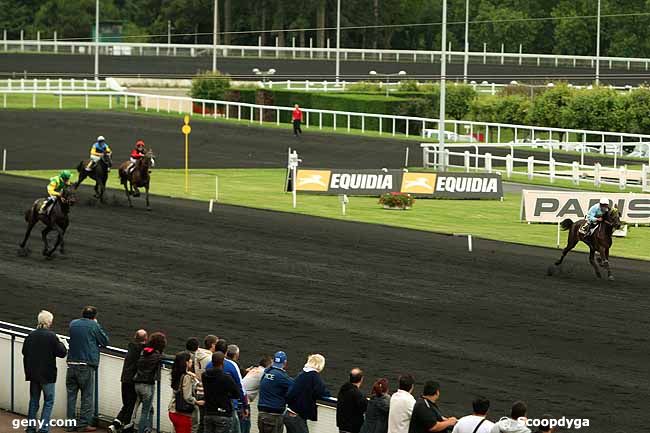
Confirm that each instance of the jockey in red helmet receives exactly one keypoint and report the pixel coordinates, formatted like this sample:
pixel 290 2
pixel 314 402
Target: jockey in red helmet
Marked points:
pixel 136 154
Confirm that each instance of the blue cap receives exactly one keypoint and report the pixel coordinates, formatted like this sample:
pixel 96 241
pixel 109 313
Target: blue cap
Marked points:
pixel 279 359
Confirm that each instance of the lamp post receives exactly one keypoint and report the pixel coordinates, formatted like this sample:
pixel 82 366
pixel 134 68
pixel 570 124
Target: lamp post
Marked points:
pixel 466 57
pixel 443 76
pixel 387 76
pixel 215 31
pixel 598 45
pixel 338 40
pixel 96 39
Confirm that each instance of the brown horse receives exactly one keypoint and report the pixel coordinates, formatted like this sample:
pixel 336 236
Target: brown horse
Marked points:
pixel 600 241
pixel 99 174
pixel 57 219
pixel 138 177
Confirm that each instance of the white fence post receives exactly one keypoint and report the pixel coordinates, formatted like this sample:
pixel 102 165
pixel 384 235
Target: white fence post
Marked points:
pixel 597 174
pixel 551 169
pixel 531 167
pixel 56 45
pixel 622 177
pixel 466 160
pixel 509 165
pixel 644 178
pixel 4 159
pixel 488 162
pixel 575 172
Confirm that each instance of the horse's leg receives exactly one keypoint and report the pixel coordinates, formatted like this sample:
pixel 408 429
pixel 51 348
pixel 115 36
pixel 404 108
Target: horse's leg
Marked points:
pixel 571 244
pixel 126 191
pixel 44 233
pixel 59 239
pixel 604 254
pixel 592 253
pixel 64 227
pixel 30 225
pixel 146 192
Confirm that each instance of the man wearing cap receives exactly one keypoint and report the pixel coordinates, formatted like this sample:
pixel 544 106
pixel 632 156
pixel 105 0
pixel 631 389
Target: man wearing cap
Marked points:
pixel 97 152
pixel 274 388
pixel 595 215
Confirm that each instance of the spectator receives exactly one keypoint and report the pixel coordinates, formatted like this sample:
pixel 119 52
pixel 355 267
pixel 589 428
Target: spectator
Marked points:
pixel 129 397
pixel 301 399
pixel 296 117
pixel 147 374
pixel 86 337
pixel 426 415
pixel 351 404
pixel 477 421
pixel 546 424
pixel 513 424
pixel 251 381
pixel 274 388
pixel 219 389
pixel 231 368
pixel 203 358
pixel 192 345
pixel 401 406
pixel 184 398
pixel 40 350
pixel 377 413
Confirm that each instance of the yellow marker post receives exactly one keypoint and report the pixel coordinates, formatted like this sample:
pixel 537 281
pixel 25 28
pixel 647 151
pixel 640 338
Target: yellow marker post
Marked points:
pixel 186 129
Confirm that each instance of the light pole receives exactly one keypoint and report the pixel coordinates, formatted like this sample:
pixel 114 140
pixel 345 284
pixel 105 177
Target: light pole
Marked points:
pixel 387 76
pixel 169 32
pixel 96 39
pixel 443 76
pixel 215 29
pixel 466 59
pixel 338 40
pixel 598 45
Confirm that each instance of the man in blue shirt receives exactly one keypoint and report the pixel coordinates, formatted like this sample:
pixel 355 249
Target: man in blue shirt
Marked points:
pixel 86 337
pixel 274 388
pixel 595 215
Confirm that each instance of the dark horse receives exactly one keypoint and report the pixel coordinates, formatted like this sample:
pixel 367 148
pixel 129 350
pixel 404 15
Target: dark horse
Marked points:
pixel 57 219
pixel 140 176
pixel 600 241
pixel 99 174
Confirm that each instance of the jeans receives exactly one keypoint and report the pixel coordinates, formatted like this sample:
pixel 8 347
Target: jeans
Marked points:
pixel 245 424
pixel 35 390
pixel 80 378
pixel 270 422
pixel 144 392
pixel 296 127
pixel 295 424
pixel 217 424
pixel 234 426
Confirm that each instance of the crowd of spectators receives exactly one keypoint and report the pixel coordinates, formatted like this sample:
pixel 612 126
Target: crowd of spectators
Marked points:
pixel 213 394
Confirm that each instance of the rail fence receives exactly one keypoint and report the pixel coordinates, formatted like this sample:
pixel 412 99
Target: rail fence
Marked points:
pixel 459 156
pixel 14 390
pixel 311 52
pixel 55 84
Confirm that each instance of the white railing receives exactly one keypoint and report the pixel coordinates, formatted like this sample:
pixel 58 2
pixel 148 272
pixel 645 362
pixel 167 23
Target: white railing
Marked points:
pixel 346 121
pixel 261 51
pixel 445 157
pixel 56 84
pixel 14 390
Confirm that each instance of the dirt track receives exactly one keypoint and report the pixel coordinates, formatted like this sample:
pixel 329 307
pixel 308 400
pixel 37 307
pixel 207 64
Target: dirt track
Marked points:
pixel 385 299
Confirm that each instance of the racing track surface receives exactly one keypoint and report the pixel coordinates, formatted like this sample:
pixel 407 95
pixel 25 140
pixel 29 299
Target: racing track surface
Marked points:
pixel 83 66
pixel 388 300
pixel 55 139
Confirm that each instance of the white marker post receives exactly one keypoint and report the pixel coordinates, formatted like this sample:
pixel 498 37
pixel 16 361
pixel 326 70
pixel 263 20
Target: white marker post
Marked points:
pixel 406 158
pixel 293 166
pixel 4 159
pixel 344 201
pixel 294 169
pixel 211 206
pixel 216 188
pixel 469 243
pixel 558 234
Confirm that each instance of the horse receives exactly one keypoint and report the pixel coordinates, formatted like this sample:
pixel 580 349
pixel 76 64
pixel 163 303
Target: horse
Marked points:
pixel 138 177
pixel 99 174
pixel 600 241
pixel 57 219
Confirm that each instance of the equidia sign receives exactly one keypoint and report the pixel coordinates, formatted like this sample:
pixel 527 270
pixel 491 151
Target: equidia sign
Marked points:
pixel 377 182
pixel 553 206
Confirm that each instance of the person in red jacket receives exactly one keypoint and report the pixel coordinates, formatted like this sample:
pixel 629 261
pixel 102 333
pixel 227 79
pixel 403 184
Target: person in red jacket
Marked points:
pixel 296 117
pixel 136 154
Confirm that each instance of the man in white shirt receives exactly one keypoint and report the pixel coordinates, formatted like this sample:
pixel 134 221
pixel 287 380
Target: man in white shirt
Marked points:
pixel 401 406
pixel 477 421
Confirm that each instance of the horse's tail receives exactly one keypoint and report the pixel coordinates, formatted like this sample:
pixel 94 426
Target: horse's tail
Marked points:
pixel 80 167
pixel 566 224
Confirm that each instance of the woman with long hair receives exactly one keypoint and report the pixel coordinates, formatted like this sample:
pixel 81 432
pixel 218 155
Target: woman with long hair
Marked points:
pixel 184 399
pixel 146 376
pixel 377 412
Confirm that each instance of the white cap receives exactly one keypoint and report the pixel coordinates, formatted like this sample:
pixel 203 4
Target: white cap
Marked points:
pixel 604 200
pixel 101 138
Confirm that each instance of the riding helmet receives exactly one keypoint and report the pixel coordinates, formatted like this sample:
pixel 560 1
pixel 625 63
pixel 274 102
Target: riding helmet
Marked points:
pixel 139 143
pixel 65 175
pixel 101 138
pixel 604 200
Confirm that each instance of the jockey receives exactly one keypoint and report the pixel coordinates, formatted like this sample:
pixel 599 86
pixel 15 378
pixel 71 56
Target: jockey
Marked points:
pixel 97 152
pixel 54 188
pixel 595 215
pixel 136 154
